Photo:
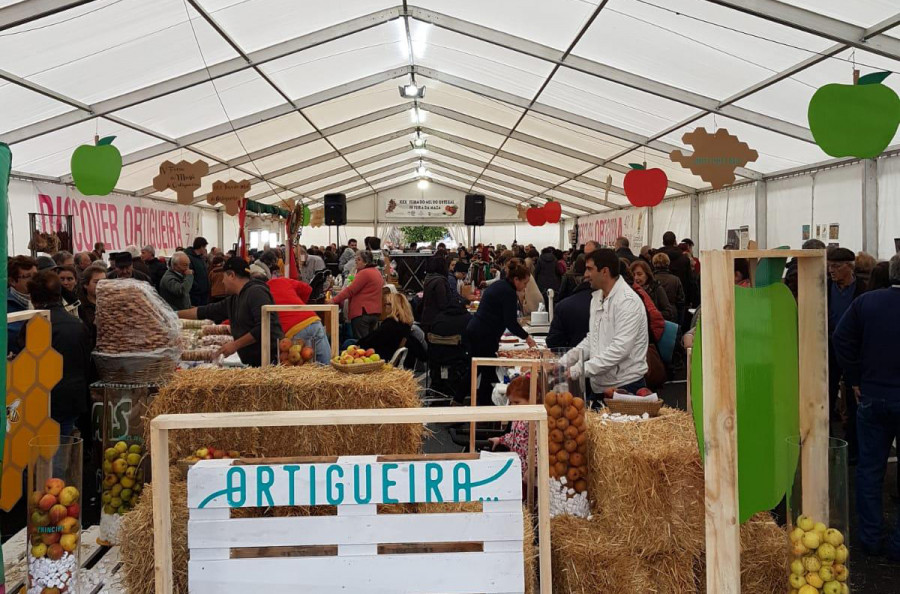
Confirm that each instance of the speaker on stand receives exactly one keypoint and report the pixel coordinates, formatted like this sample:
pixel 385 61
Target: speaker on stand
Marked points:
pixel 336 213
pixel 474 213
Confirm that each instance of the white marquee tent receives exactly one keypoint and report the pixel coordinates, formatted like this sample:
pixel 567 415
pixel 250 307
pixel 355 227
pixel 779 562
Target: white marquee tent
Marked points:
pixel 525 100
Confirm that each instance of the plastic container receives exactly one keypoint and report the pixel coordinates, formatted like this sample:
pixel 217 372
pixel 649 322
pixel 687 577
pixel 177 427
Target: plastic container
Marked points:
pixel 564 398
pixel 54 513
pixel 820 555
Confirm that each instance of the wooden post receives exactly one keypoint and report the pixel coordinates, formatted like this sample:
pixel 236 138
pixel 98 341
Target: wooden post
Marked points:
pixel 723 542
pixel 812 318
pixel 162 512
pixel 266 329
pixel 544 507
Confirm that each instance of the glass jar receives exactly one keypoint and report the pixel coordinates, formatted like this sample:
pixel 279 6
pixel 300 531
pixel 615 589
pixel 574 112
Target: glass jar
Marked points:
pixel 54 513
pixel 296 351
pixel 563 395
pixel 820 554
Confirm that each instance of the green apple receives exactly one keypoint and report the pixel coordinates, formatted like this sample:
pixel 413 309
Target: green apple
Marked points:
pixel 96 168
pixel 857 120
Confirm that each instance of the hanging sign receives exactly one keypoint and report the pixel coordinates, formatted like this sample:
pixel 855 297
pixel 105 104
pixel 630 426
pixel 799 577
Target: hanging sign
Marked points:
pixel 857 120
pixel 96 167
pixel 715 156
pixel 229 193
pixel 645 187
pixel 317 217
pixel 419 207
pixel 183 178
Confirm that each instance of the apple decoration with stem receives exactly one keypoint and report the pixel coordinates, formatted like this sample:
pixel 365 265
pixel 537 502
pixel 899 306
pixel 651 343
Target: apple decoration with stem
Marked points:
pixel 856 120
pixel 552 211
pixel 536 216
pixel 645 187
pixel 96 168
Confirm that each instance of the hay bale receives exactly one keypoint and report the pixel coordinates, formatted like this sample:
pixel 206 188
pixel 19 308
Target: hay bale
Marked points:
pixel 586 562
pixel 308 387
pixel 646 482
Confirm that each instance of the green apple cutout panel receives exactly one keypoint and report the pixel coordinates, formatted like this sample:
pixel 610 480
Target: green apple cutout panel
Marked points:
pixel 767 359
pixel 96 168
pixel 857 120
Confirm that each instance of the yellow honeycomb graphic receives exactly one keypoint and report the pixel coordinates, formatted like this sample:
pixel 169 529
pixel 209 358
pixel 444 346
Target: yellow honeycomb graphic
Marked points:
pixel 29 379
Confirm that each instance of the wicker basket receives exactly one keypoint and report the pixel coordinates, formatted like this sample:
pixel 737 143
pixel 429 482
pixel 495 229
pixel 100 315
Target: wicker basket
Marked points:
pixel 633 408
pixel 137 369
pixel 361 368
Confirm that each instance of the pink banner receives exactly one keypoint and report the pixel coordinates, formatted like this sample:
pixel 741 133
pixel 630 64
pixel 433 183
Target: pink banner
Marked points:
pixel 117 220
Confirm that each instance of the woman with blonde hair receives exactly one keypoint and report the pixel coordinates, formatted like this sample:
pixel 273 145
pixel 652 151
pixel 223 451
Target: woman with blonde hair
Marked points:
pixel 394 331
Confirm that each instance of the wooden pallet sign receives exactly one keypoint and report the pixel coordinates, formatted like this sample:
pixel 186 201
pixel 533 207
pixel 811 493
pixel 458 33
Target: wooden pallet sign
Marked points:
pixel 183 178
pixel 358 550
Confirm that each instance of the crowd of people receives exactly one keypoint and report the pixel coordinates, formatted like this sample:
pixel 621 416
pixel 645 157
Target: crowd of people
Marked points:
pixel 622 320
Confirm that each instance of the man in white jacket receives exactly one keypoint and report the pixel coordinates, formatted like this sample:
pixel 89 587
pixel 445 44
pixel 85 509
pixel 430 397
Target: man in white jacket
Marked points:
pixel 614 352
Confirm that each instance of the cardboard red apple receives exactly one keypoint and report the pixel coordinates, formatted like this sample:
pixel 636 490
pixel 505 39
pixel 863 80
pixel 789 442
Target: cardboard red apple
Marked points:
pixel 645 187
pixel 552 211
pixel 96 168
pixel 536 216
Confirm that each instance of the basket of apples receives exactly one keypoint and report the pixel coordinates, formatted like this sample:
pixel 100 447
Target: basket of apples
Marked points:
pixel 357 360
pixel 624 402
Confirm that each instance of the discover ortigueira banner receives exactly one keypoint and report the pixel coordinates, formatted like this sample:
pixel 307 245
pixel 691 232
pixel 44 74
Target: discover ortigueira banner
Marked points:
pixel 218 484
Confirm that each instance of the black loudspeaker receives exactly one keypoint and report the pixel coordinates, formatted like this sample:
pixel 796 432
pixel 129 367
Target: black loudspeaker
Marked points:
pixel 475 209
pixel 335 209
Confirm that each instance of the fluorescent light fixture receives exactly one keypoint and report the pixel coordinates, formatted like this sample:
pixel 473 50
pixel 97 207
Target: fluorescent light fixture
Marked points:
pixel 423 184
pixel 421 151
pixel 412 91
pixel 421 170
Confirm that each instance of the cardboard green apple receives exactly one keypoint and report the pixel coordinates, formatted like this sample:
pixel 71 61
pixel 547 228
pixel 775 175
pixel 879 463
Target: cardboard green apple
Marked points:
pixel 96 168
pixel 768 402
pixel 857 120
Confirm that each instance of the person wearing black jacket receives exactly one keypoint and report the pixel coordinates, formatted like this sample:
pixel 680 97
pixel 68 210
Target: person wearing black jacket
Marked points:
pixel 200 288
pixel 69 398
pixel 546 271
pixel 572 279
pixel 436 294
pixel 571 318
pixel 394 332
pixel 155 267
pixel 680 266
pixel 623 250
pixel 497 312
pixel 243 308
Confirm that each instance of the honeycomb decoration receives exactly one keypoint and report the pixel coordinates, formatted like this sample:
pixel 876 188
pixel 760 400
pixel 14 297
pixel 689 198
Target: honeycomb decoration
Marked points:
pixel 715 156
pixel 29 379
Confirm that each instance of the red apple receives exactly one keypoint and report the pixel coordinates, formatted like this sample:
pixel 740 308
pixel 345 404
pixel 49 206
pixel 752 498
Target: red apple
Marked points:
pixel 57 513
pixel 536 216
pixel 55 552
pixel 53 486
pixel 49 538
pixel 552 211
pixel 644 392
pixel 47 501
pixel 645 187
pixel 73 510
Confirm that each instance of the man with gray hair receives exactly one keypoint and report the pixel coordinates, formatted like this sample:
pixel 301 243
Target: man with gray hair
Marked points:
pixel 175 287
pixel 865 343
pixel 82 261
pixel 156 269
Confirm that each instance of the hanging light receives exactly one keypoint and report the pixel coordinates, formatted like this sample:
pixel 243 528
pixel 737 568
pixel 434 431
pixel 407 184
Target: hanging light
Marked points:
pixel 412 91
pixel 417 116
pixel 423 183
pixel 421 170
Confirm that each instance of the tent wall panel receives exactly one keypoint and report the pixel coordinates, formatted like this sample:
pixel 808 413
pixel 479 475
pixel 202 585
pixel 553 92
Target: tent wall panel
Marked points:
pixel 888 206
pixel 723 210
pixel 671 215
pixel 789 204
pixel 837 198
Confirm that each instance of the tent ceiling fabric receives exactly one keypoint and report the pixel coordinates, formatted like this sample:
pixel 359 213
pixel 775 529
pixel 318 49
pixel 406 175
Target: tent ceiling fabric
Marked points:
pixel 551 103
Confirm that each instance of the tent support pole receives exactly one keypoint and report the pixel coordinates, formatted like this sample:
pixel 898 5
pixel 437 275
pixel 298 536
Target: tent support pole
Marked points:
pixel 762 215
pixel 695 218
pixel 870 206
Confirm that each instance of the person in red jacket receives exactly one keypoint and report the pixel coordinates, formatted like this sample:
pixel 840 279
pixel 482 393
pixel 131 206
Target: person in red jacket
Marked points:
pixel 363 295
pixel 302 324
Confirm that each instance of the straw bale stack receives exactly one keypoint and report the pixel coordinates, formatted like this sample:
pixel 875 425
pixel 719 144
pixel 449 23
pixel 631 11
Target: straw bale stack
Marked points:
pixel 308 387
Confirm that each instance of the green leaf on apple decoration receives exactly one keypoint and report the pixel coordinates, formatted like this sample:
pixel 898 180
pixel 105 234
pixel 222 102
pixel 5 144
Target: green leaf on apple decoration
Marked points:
pixel 855 120
pixel 768 402
pixel 96 167
pixel 637 166
pixel 872 78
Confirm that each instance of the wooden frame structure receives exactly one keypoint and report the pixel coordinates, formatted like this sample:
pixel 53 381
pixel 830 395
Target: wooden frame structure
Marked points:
pixel 159 452
pixel 333 326
pixel 493 362
pixel 24 316
pixel 723 546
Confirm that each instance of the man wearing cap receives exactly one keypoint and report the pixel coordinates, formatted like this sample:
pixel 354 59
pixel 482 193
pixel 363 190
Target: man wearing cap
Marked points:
pixel 243 308
pixel 843 288
pixel 156 268
pixel 124 268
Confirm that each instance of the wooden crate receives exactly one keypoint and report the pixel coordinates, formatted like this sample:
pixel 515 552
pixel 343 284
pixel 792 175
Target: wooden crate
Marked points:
pixel 347 552
pixel 161 425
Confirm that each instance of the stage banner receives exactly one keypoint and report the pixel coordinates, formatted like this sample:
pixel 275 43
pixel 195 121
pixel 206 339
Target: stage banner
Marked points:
pixel 117 220
pixel 436 210
pixel 605 228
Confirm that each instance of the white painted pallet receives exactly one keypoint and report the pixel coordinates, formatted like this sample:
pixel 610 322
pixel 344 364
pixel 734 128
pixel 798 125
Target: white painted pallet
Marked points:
pixel 102 578
pixel 356 486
